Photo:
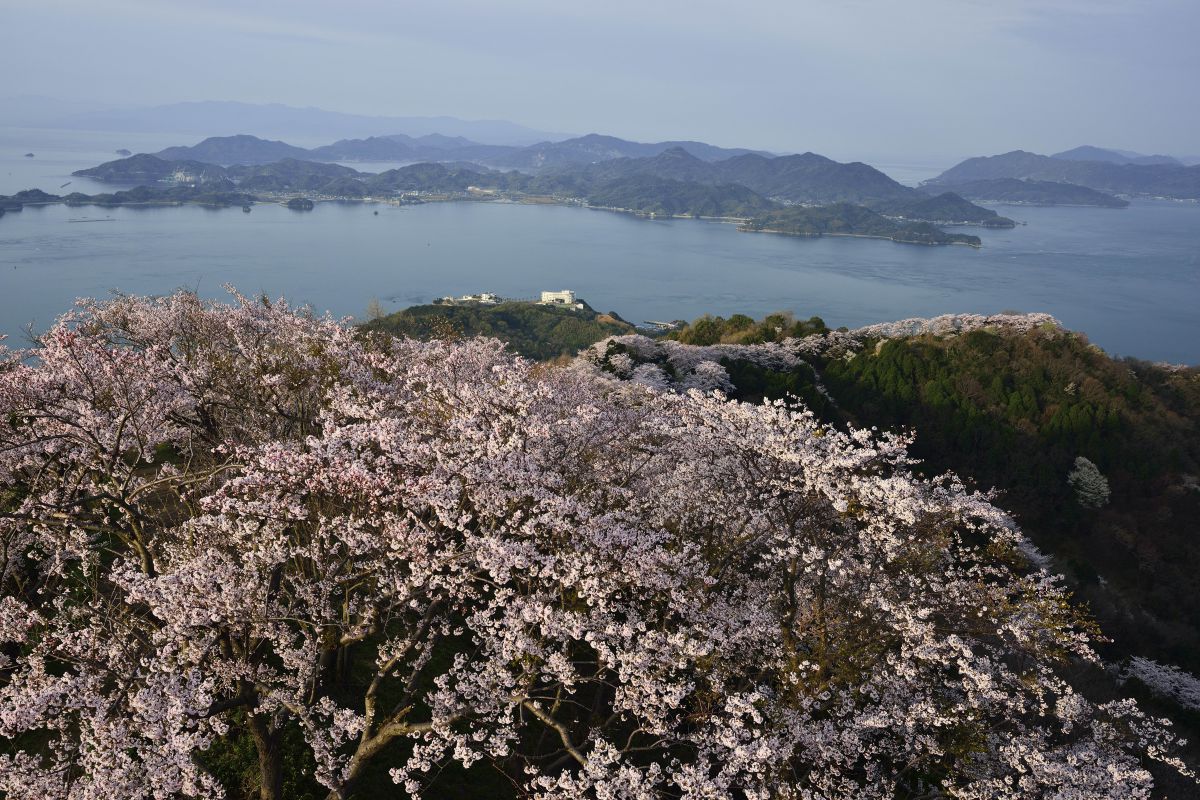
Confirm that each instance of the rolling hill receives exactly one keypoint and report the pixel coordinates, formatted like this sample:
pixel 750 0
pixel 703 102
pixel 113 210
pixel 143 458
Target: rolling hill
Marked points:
pixel 1152 180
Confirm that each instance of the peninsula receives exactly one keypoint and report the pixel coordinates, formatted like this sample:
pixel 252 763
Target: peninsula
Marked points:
pixel 844 219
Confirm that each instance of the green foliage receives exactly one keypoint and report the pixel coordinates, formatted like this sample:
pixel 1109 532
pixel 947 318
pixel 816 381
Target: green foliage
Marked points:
pixel 741 329
pixel 532 330
pixel 755 384
pixel 234 762
pixel 1014 412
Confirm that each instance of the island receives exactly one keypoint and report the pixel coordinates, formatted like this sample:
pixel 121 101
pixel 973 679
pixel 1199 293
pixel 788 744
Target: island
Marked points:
pixel 123 152
pixel 805 195
pixel 1014 191
pixel 668 179
pixel 845 219
pixel 1172 181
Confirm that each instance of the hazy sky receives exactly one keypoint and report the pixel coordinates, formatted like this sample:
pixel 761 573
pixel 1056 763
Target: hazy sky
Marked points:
pixel 848 78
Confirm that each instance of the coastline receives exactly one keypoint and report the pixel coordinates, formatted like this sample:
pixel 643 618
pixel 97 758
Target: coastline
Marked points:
pixel 776 231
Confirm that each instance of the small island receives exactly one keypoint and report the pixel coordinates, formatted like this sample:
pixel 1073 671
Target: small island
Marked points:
pixel 846 219
pixel 300 204
pixel 29 155
pixel 123 152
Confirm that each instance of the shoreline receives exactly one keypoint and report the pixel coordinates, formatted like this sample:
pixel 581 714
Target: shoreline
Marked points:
pixel 797 235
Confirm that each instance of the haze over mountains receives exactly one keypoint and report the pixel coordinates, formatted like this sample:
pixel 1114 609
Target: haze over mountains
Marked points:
pixel 1089 153
pixel 1158 177
pixel 563 166
pixel 266 120
pixel 1085 175
pixel 671 178
pixel 674 181
pixel 246 149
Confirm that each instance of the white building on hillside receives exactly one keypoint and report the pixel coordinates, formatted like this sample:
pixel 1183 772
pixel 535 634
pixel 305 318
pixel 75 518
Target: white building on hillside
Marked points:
pixel 564 298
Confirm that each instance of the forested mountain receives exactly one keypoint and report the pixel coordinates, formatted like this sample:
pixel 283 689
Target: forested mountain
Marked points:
pixel 295 175
pixel 1089 153
pixel 947 207
pixel 595 147
pixel 145 167
pixel 246 149
pixel 240 149
pixel 1031 192
pixel 1156 180
pixel 807 178
pixel 650 194
pixel 812 178
pixel 406 148
pixel 428 177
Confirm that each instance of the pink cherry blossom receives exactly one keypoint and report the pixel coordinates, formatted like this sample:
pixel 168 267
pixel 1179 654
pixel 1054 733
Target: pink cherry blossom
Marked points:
pixel 611 589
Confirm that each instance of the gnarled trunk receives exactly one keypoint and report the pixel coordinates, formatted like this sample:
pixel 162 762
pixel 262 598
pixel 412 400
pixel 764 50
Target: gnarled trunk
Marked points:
pixel 270 766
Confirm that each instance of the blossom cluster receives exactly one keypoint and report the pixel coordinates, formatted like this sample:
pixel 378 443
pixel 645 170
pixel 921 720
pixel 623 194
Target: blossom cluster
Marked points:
pixel 959 323
pixel 604 588
pixel 1166 680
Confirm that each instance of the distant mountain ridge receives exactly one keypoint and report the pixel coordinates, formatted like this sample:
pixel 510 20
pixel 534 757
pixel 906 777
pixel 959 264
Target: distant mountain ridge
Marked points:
pixel 239 149
pixel 596 147
pixel 808 179
pixel 676 179
pixel 1089 153
pixel 247 149
pixel 1031 192
pixel 672 182
pixel 1154 180
pixel 277 120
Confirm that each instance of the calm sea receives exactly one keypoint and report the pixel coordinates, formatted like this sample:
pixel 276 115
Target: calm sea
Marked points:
pixel 1129 278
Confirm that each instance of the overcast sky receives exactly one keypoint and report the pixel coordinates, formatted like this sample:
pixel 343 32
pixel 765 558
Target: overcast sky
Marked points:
pixel 848 78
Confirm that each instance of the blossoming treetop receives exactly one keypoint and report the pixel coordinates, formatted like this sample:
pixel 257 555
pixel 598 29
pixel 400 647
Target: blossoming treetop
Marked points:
pixel 223 521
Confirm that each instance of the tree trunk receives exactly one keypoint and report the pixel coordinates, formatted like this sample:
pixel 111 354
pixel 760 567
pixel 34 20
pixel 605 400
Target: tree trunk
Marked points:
pixel 270 766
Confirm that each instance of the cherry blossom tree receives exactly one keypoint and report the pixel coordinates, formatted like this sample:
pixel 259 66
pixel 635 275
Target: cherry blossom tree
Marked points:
pixel 243 520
